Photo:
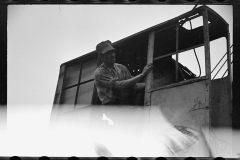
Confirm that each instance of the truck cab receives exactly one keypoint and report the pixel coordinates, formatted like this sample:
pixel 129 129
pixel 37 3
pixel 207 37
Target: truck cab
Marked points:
pixel 184 83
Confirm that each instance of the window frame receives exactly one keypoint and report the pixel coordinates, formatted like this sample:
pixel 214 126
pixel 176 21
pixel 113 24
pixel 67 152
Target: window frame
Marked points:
pixel 79 82
pixel 177 51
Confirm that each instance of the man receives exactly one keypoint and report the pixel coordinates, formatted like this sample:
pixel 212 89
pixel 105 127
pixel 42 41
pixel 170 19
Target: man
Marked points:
pixel 113 81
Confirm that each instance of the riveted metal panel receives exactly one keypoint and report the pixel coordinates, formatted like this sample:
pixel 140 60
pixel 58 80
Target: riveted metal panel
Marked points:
pixel 221 103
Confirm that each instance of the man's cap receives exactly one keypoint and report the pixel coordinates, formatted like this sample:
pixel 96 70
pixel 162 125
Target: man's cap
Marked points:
pixel 104 47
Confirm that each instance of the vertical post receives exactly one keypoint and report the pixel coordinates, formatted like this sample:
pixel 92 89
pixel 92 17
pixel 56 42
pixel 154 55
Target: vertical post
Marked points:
pixel 206 45
pixel 229 61
pixel 149 78
pixel 236 66
pixel 208 71
pixel 58 95
pixel 3 66
pixel 177 43
pixel 59 89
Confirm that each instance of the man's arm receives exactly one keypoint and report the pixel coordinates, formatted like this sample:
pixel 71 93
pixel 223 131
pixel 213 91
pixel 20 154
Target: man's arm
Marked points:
pixel 139 86
pixel 127 83
pixel 130 82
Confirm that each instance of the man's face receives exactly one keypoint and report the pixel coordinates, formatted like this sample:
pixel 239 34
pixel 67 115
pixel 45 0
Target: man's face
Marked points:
pixel 109 57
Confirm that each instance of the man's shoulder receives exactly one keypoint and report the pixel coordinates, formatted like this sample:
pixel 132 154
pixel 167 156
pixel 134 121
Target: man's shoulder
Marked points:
pixel 120 66
pixel 100 69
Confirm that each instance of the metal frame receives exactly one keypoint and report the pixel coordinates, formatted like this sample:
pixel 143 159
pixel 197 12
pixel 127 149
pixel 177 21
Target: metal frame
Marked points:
pixel 206 44
pixel 207 64
pixel 220 62
pixel 229 56
pixel 180 20
pixel 177 46
pixel 229 68
pixel 180 51
pixel 149 78
pixel 203 11
pixel 179 83
pixel 59 90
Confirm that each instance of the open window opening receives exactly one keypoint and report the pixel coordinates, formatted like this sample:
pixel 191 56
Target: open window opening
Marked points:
pixel 132 53
pixel 193 22
pixel 189 68
pixel 179 53
pixel 194 60
pixel 219 59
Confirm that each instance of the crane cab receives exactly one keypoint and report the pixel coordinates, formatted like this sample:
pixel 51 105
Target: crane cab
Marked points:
pixel 186 84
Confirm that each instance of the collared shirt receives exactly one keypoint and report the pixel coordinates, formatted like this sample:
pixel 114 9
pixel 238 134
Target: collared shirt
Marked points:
pixel 104 80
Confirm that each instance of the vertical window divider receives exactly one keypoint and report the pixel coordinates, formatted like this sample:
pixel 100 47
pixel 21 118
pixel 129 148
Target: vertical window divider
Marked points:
pixel 78 84
pixel 177 45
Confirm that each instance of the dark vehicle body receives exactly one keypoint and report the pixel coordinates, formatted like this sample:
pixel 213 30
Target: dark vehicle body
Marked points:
pixel 199 102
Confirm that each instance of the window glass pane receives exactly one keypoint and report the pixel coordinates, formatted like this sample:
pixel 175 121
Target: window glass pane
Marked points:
pixel 69 96
pixel 72 75
pixel 88 69
pixel 85 93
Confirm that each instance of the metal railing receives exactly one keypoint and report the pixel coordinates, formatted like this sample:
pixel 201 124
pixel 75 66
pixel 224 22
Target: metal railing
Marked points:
pixel 222 65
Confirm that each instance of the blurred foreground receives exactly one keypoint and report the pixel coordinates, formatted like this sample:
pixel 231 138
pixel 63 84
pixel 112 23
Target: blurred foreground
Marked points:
pixel 119 132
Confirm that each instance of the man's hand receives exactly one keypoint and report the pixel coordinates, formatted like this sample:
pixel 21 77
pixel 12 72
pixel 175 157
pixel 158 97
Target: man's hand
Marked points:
pixel 147 69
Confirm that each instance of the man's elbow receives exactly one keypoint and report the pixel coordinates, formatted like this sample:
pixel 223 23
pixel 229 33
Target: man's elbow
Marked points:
pixel 139 86
pixel 120 85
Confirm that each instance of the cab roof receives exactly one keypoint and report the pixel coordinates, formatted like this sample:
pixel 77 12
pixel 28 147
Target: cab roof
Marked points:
pixel 218 24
